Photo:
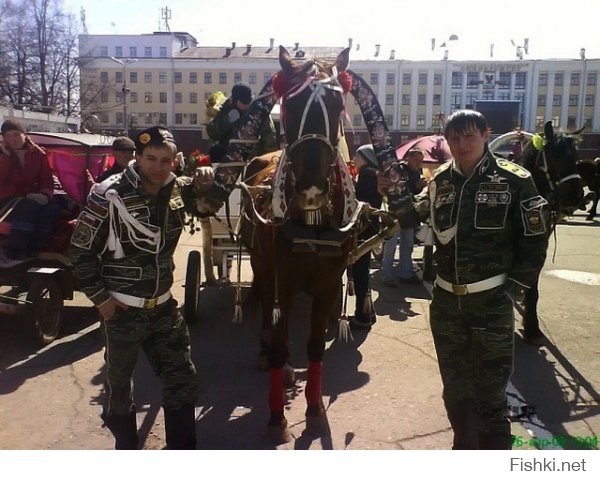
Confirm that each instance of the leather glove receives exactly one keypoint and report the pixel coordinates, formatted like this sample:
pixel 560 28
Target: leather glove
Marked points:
pixel 39 198
pixel 515 291
pixel 204 178
pixel 233 115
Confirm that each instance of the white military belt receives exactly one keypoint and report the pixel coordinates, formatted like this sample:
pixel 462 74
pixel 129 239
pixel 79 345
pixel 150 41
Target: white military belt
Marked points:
pixel 140 302
pixel 475 287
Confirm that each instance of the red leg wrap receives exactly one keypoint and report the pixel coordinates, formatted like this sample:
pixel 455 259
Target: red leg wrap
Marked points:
pixel 276 390
pixel 313 383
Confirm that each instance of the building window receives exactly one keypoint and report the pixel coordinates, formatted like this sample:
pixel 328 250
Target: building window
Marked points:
pixel 133 97
pixel 504 80
pixel 437 78
pixel 193 119
pixel 104 77
pixel 374 79
pixel 163 53
pixel 437 99
pixel 574 78
pixel 436 120
pixel 119 118
pixel 389 119
pixel 119 97
pixel 119 77
pixel 147 77
pixel 519 97
pixel 558 79
pixel 457 79
pixel 420 121
pixel 178 77
pixel 539 122
pixel 389 99
pixel 266 77
pixel 148 119
pixel 543 79
pixel 570 122
pixel 472 79
pixel 357 120
pixel 104 51
pixel 456 100
pixel 572 100
pixel 193 97
pixel 487 96
pixel 178 118
pixel 422 78
pixel 132 77
pixel 162 119
pixel 591 78
pixel 520 80
pixel 118 52
pixel 556 100
pixel 587 122
pixel 589 100
pixel 162 77
pixel 504 96
pixel 133 52
pixel 147 51
pixel 104 97
pixel 406 78
pixel 162 97
pixel 148 97
pixel 405 99
pixel 178 97
pixel 237 77
pixel 390 78
pixel 222 78
pixel 470 100
pixel 193 77
pixel 207 77
pixel 541 101
pixel 405 121
pixel 252 78
pixel 421 99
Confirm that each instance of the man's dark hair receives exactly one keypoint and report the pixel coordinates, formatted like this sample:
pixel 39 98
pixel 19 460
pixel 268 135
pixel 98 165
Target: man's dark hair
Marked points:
pixel 462 121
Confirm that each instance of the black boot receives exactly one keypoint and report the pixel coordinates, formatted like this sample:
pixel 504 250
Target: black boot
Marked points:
pixel 123 428
pixel 495 441
pixel 460 417
pixel 180 428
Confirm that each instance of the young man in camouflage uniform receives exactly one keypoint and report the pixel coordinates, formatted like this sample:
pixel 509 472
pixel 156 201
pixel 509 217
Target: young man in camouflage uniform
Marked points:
pixel 122 254
pixel 489 224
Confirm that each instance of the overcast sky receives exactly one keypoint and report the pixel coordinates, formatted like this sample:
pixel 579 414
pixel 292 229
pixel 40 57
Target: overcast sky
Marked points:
pixel 407 26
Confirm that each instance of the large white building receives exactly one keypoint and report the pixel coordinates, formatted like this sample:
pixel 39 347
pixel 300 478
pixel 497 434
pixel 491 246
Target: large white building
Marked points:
pixel 165 77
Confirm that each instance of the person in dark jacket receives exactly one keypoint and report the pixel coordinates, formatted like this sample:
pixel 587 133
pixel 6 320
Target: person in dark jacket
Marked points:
pixel 26 192
pixel 366 191
pixel 123 150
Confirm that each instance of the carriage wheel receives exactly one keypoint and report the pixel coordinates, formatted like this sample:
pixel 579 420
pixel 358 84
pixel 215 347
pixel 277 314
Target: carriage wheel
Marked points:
pixel 192 287
pixel 45 302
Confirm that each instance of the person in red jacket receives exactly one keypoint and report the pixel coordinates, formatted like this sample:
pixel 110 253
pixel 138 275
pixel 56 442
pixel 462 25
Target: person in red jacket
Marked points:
pixel 26 190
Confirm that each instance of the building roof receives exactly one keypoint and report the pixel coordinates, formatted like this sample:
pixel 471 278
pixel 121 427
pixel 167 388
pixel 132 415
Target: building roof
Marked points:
pixel 256 52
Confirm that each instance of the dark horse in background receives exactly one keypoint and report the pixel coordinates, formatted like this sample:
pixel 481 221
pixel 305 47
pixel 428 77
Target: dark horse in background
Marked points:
pixel 300 228
pixel 590 177
pixel 552 162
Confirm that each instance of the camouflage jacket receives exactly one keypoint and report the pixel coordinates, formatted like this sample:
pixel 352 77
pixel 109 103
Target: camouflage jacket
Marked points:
pixel 144 269
pixel 491 223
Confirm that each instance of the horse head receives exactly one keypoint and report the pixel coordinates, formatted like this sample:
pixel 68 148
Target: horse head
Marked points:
pixel 552 160
pixel 312 101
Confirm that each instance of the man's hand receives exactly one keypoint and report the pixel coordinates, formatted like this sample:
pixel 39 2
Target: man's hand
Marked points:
pixel 109 308
pixel 38 198
pixel 204 177
pixel 515 291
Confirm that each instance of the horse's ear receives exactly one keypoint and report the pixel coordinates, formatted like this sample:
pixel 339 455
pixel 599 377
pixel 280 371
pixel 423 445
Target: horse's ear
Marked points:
pixel 343 59
pixel 285 59
pixel 578 132
pixel 548 131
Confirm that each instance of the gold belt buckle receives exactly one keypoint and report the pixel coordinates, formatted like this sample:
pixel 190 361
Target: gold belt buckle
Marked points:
pixel 149 303
pixel 459 289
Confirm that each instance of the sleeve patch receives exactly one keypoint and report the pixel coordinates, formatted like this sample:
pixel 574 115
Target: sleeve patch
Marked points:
pixel 532 214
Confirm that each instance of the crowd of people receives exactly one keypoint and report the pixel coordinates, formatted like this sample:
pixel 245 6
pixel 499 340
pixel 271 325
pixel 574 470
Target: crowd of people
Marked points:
pixel 126 234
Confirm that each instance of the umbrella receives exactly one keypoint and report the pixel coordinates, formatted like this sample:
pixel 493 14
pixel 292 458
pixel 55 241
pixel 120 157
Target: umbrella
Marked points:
pixel 434 147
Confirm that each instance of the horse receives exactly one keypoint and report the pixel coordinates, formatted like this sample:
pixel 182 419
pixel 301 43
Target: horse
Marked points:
pixel 590 177
pixel 551 158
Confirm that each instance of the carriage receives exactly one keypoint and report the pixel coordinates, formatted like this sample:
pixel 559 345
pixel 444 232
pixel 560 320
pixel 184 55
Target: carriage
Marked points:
pixel 36 288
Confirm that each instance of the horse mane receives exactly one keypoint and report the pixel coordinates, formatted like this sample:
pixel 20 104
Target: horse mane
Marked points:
pixel 561 141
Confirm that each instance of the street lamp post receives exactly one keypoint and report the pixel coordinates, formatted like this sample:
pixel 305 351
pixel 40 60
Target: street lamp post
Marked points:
pixel 125 90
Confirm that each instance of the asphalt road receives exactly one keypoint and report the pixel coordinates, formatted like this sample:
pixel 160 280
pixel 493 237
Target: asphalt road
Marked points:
pixel 382 390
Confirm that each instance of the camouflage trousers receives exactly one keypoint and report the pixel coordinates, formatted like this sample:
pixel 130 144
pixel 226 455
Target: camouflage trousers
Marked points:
pixel 473 337
pixel 163 336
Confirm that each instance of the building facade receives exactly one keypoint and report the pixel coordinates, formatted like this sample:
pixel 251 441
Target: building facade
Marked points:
pixel 165 78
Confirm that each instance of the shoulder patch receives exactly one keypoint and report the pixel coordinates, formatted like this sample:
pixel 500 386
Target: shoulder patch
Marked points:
pixel 441 169
pixel 518 170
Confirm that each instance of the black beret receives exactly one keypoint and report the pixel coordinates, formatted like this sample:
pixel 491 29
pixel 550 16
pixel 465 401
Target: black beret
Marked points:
pixel 241 92
pixel 9 125
pixel 123 143
pixel 152 137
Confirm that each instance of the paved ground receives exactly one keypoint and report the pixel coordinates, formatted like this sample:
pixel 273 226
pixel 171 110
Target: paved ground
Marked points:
pixel 382 390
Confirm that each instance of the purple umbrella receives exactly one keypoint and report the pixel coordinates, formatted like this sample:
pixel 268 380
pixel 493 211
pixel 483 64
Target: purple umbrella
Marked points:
pixel 434 147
